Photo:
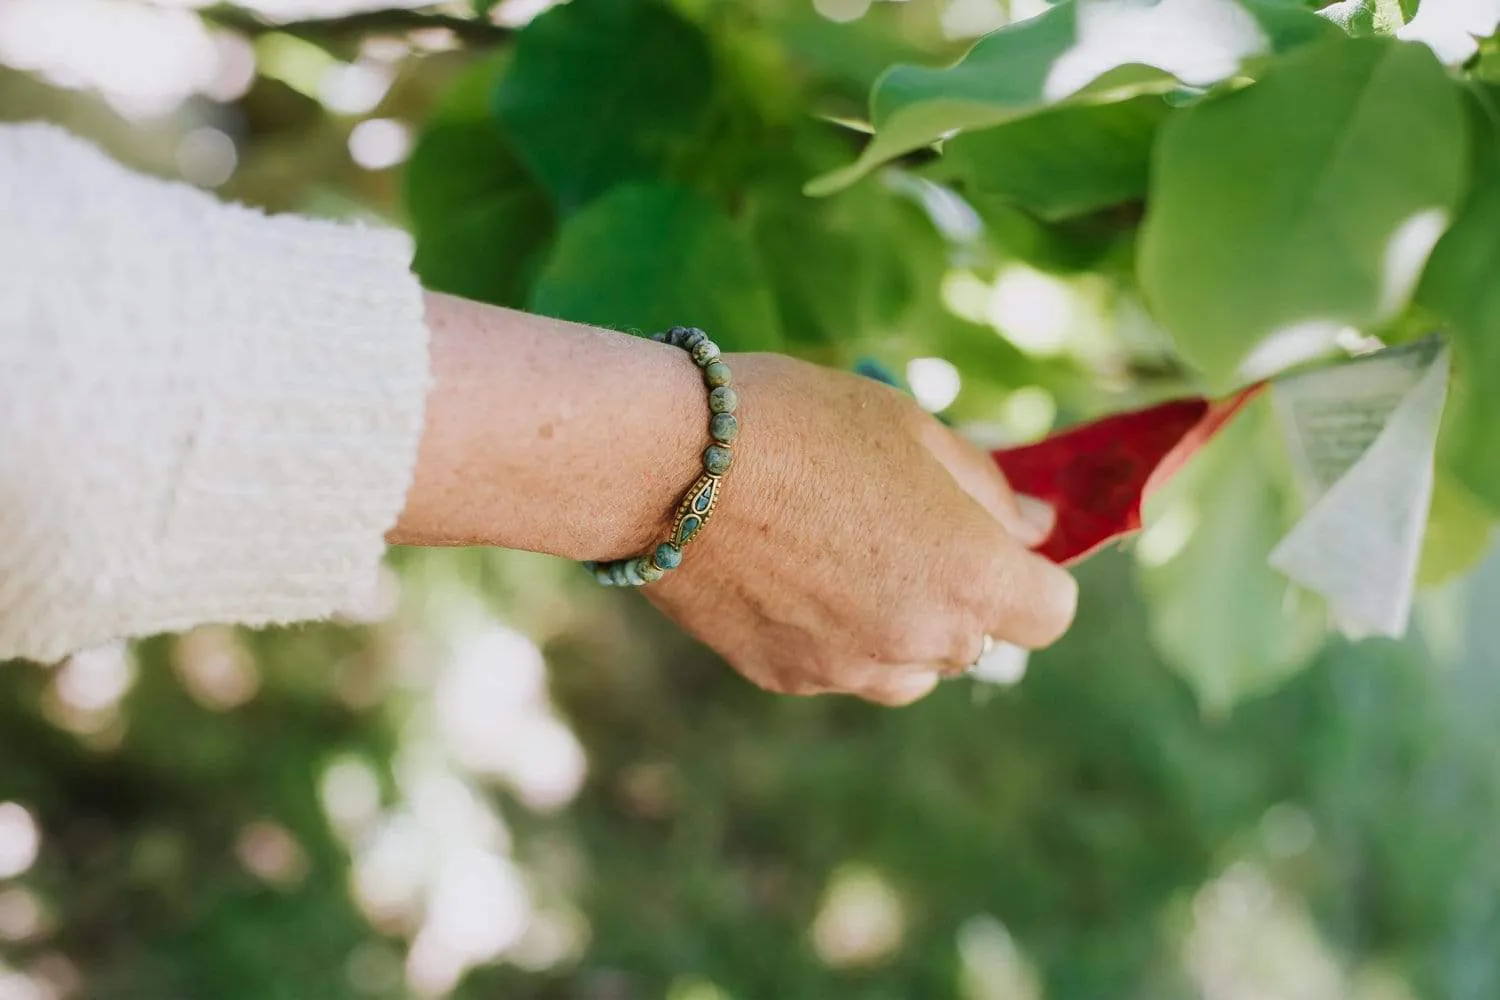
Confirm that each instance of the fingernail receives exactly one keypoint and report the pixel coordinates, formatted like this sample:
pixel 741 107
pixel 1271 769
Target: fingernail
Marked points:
pixel 1039 516
pixel 1062 599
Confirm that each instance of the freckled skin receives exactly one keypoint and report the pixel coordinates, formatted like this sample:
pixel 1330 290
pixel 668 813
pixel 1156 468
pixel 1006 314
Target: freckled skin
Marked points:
pixel 857 545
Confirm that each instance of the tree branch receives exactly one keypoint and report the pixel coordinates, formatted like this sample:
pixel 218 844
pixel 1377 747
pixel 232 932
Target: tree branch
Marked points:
pixel 396 21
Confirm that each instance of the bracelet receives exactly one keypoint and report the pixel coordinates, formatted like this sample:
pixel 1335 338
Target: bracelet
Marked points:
pixel 698 504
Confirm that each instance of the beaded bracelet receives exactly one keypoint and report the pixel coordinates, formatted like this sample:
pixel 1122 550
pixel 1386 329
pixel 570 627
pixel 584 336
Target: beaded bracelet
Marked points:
pixel 699 502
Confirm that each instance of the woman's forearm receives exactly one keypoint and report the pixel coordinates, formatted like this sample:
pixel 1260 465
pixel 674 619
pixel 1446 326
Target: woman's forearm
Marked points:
pixel 218 419
pixel 550 436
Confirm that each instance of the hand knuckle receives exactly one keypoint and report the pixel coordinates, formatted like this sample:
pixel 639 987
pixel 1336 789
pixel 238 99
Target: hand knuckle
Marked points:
pixel 917 637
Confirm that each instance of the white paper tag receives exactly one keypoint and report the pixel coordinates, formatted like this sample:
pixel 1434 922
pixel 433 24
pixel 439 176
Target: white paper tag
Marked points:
pixel 1361 437
pixel 1005 665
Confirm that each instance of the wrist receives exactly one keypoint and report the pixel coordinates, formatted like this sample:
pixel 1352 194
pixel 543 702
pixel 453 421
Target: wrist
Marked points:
pixel 550 436
pixel 691 515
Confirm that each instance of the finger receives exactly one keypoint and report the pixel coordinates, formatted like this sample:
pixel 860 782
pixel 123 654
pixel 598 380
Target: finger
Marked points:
pixel 1030 600
pixel 1027 519
pixel 902 688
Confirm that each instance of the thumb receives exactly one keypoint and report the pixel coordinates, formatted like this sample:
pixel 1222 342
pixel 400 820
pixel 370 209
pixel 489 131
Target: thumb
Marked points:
pixel 1026 519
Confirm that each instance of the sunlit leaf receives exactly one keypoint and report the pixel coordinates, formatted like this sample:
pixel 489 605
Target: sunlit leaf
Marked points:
pixel 1078 50
pixel 1459 529
pixel 1303 204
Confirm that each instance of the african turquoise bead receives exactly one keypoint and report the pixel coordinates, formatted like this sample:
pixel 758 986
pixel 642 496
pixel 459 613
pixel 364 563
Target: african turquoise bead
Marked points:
pixel 692 339
pixel 650 572
pixel 602 574
pixel 723 400
pixel 668 556
pixel 716 373
pixel 633 573
pixel 705 352
pixel 725 427
pixel 717 459
pixel 617 573
pixel 674 336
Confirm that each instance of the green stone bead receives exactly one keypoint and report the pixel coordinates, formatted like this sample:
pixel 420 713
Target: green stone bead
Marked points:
pixel 674 336
pixel 717 459
pixel 603 575
pixel 705 352
pixel 692 339
pixel 723 400
pixel 650 572
pixel 725 427
pixel 716 373
pixel 668 556
pixel 617 574
pixel 633 573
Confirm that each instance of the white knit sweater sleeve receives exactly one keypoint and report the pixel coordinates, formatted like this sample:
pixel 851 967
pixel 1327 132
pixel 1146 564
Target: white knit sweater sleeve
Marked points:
pixel 206 414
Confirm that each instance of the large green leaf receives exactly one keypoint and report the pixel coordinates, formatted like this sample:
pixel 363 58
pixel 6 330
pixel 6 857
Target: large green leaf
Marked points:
pixel 602 91
pixel 482 225
pixel 816 268
pixel 1078 50
pixel 1460 285
pixel 648 257
pixel 1062 162
pixel 492 253
pixel 461 158
pixel 1304 203
pixel 1229 623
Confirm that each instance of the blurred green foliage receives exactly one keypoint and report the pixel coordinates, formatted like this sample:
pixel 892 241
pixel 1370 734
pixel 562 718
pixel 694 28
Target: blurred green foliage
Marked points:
pixel 1195 796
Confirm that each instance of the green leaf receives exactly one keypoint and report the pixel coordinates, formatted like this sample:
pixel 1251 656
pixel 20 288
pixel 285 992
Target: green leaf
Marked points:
pixel 1222 617
pixel 1304 203
pixel 649 257
pixel 482 225
pixel 604 91
pixel 1357 17
pixel 851 54
pixel 1067 246
pixel 1460 287
pixel 456 167
pixel 816 269
pixel 1459 528
pixel 492 253
pixel 1063 162
pixel 461 157
pixel 1078 50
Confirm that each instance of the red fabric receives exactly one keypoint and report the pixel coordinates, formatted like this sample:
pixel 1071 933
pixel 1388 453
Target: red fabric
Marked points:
pixel 1097 476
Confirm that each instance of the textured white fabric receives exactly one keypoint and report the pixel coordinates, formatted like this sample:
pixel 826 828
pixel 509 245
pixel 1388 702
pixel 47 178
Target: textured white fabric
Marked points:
pixel 206 414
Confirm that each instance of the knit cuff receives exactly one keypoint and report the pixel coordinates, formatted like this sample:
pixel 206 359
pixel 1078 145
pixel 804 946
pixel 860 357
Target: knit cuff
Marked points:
pixel 303 451
pixel 210 415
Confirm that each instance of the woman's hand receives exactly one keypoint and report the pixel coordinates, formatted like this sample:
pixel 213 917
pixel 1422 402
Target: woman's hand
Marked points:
pixel 859 546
